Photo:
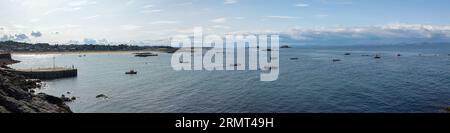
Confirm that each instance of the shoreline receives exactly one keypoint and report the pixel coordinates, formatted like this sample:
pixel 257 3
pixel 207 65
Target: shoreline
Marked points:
pixel 80 52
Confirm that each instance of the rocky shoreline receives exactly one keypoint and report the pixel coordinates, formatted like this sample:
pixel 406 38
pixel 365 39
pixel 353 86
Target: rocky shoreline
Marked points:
pixel 16 96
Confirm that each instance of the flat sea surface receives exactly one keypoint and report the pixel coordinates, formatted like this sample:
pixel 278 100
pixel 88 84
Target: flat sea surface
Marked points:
pixel 417 81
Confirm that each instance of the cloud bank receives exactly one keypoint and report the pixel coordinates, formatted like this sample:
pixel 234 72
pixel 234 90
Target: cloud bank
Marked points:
pixel 386 34
pixel 16 37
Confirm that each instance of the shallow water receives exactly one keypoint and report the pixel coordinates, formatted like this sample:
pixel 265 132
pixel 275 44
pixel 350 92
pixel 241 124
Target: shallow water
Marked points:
pixel 410 83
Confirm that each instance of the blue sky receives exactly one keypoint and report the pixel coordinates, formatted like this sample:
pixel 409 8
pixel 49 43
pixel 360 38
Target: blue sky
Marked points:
pixel 61 21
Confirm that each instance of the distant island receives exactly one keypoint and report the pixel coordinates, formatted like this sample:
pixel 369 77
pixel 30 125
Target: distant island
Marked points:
pixel 12 46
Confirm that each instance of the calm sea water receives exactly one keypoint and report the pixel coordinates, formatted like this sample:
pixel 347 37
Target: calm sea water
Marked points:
pixel 410 83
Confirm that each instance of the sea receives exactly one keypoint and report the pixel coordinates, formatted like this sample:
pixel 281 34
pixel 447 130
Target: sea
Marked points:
pixel 418 81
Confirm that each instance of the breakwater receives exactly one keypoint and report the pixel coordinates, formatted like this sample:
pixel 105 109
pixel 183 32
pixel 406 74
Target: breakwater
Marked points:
pixel 47 73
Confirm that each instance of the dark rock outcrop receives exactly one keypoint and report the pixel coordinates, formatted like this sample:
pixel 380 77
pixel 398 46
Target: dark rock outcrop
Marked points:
pixel 102 96
pixel 15 97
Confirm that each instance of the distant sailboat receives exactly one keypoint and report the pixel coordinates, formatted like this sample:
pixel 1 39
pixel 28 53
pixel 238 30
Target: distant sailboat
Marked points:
pixel 131 72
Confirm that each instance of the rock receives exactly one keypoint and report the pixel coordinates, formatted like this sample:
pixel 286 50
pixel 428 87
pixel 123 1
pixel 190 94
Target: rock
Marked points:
pixel 336 60
pixel 347 54
pixel 67 99
pixel 295 58
pixel 16 97
pixel 102 96
pixel 68 92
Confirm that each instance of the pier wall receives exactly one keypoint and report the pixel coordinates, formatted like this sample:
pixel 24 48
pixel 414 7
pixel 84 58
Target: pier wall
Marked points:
pixel 48 74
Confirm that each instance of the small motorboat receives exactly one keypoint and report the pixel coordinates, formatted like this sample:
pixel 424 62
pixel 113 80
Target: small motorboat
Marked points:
pixel 295 58
pixel 377 57
pixel 131 72
pixel 235 65
pixel 269 50
pixel 336 60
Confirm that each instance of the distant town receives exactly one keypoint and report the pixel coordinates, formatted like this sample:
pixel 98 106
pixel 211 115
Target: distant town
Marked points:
pixel 12 46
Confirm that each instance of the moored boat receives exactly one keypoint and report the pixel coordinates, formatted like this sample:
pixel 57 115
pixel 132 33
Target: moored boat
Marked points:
pixel 131 72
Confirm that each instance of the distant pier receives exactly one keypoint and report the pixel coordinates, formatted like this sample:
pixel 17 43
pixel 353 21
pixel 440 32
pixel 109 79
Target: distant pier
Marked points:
pixel 47 73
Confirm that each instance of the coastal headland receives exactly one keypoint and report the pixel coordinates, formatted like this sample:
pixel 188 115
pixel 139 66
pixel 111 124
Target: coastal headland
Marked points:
pixel 45 48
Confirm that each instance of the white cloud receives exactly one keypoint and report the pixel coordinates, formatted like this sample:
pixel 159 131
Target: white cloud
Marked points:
pixel 337 2
pixel 184 4
pixel 34 20
pixel 230 2
pixel 130 2
pixel 148 6
pixel 81 3
pixel 19 26
pixel 103 41
pixel 302 5
pixel 151 11
pixel 221 27
pixel 281 17
pixel 130 27
pixel 219 20
pixel 91 17
pixel 67 9
pixel 164 22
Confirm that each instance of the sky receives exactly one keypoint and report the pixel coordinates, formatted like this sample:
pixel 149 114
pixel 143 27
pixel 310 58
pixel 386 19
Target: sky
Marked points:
pixel 140 21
